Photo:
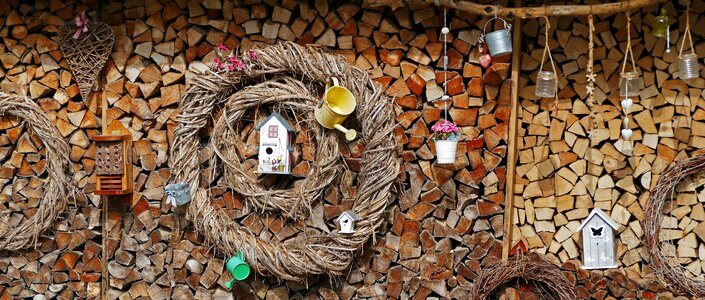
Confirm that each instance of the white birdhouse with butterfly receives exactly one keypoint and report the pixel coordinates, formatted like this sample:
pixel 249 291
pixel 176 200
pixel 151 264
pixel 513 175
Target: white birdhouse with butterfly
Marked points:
pixel 274 145
pixel 598 240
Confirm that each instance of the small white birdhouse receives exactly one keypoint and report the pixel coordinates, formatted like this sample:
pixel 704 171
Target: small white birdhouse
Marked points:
pixel 346 220
pixel 274 145
pixel 598 240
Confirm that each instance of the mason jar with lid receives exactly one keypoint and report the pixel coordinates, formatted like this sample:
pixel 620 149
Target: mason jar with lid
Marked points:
pixel 546 84
pixel 629 84
pixel 689 66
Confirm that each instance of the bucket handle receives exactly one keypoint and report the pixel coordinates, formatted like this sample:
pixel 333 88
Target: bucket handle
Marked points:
pixel 506 25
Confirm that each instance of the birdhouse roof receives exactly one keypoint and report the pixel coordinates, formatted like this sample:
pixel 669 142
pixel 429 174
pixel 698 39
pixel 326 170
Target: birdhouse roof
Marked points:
pixel 599 213
pixel 353 216
pixel 279 118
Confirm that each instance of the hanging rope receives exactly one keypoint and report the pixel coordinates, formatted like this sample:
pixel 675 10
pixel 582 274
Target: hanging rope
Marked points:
pixel 629 46
pixel 591 77
pixel 687 35
pixel 550 58
pixel 445 63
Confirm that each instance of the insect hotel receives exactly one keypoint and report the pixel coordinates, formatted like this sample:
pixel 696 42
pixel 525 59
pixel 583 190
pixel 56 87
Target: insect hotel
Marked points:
pixel 113 165
pixel 274 145
pixel 598 240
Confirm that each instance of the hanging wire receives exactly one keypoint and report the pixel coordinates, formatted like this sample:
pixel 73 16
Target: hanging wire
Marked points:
pixel 445 63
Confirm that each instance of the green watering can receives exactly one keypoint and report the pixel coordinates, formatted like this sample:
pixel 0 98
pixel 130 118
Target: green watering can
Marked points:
pixel 238 267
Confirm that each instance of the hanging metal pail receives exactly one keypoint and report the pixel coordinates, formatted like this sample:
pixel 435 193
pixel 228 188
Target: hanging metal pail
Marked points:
pixel 499 42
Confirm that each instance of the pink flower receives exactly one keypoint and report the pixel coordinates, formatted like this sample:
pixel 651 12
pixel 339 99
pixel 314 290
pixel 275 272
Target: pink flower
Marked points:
pixel 231 68
pixel 252 54
pixel 233 59
pixel 239 65
pixel 222 46
pixel 81 24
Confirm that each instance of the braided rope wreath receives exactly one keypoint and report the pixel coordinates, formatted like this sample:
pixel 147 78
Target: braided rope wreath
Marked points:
pixel 58 184
pixel 666 269
pixel 546 278
pixel 287 73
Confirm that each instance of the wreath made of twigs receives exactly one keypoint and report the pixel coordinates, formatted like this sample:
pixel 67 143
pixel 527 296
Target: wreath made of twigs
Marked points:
pixel 666 269
pixel 58 184
pixel 545 277
pixel 285 76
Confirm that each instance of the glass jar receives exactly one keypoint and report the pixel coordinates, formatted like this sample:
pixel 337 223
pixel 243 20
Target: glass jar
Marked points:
pixel 546 84
pixel 689 66
pixel 629 84
pixel 660 24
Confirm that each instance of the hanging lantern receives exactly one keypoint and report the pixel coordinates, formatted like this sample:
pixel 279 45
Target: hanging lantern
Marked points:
pixel 629 84
pixel 689 66
pixel 660 28
pixel 499 42
pixel 546 84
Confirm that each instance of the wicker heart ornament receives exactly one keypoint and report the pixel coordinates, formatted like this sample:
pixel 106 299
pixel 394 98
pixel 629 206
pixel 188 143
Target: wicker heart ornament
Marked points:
pixel 86 53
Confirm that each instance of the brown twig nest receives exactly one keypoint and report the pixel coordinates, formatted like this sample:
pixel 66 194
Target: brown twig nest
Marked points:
pixel 667 269
pixel 285 76
pixel 545 277
pixel 58 184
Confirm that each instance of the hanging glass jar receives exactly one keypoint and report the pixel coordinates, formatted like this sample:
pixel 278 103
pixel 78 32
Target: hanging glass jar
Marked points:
pixel 546 84
pixel 629 84
pixel 660 28
pixel 689 66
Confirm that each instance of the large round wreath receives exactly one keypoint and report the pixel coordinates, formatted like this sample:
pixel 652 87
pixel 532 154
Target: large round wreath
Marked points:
pixel 286 77
pixel 667 269
pixel 545 276
pixel 58 185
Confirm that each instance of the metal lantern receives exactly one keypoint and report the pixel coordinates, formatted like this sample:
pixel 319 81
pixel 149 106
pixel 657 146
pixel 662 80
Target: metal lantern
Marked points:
pixel 546 84
pixel 629 84
pixel 660 28
pixel 499 42
pixel 689 66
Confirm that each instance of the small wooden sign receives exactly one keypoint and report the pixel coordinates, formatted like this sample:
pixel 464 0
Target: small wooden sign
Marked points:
pixel 113 166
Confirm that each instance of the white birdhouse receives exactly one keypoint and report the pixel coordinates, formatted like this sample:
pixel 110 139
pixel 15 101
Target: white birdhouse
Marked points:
pixel 347 221
pixel 274 145
pixel 598 240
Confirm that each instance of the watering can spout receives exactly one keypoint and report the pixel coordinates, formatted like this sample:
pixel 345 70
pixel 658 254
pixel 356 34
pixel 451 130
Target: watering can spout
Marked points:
pixel 230 283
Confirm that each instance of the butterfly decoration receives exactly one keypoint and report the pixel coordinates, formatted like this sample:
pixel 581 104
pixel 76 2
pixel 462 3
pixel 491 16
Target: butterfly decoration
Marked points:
pixel 597 232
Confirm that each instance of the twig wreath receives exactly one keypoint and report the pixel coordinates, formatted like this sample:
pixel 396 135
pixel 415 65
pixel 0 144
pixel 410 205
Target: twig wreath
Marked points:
pixel 286 73
pixel 545 276
pixel 58 184
pixel 667 269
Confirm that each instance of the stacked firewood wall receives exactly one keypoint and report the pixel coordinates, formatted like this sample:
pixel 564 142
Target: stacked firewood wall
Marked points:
pixel 436 238
pixel 567 165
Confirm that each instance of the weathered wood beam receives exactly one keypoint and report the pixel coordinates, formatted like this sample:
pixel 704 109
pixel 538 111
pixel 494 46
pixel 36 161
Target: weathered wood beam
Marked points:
pixel 526 12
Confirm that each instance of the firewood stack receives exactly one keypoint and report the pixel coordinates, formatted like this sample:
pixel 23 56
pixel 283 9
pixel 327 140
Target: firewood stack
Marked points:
pixel 67 260
pixel 566 167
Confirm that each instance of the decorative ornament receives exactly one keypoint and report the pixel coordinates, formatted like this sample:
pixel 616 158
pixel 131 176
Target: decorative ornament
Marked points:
pixel 598 240
pixel 57 186
pixel 688 67
pixel 285 76
pixel 590 75
pixel 86 47
pixel 629 83
pixel 547 81
pixel 499 42
pixel 274 145
pixel 667 267
pixel 337 103
pixel 660 28
pixel 113 166
pixel 532 268
pixel 177 194
pixel 238 268
pixel 346 222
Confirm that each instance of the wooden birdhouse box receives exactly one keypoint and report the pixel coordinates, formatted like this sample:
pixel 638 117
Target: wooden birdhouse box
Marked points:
pixel 113 166
pixel 346 220
pixel 274 145
pixel 598 241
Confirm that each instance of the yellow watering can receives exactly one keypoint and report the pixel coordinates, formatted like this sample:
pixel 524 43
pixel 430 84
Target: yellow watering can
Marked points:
pixel 338 102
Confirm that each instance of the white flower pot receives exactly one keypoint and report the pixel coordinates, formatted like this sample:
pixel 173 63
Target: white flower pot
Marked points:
pixel 445 151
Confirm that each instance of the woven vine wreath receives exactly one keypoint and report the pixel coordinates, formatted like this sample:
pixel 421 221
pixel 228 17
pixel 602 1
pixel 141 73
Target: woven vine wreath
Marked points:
pixel 286 77
pixel 545 277
pixel 58 184
pixel 667 269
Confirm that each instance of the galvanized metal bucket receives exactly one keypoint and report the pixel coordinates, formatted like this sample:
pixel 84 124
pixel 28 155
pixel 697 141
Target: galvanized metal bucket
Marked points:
pixel 499 42
pixel 178 193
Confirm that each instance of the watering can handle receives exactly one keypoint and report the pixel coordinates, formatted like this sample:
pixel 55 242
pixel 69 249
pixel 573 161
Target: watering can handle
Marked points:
pixel 506 25
pixel 328 85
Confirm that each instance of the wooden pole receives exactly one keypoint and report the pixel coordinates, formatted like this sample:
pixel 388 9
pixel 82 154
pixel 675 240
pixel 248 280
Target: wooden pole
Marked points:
pixel 526 12
pixel 512 144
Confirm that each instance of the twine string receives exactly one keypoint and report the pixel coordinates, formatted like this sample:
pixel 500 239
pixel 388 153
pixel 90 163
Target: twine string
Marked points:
pixel 686 34
pixel 629 45
pixel 550 57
